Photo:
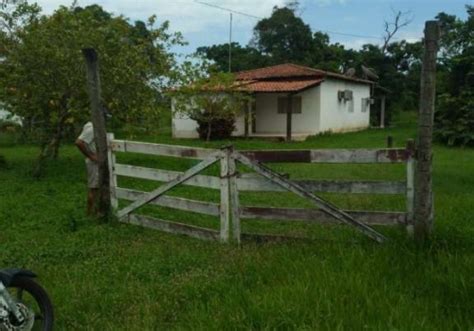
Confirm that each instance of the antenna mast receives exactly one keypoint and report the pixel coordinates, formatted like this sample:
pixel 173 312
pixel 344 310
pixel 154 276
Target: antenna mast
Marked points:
pixel 230 44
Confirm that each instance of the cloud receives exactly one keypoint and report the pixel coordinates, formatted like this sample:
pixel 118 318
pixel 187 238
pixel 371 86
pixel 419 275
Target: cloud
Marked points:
pixel 357 43
pixel 323 3
pixel 186 16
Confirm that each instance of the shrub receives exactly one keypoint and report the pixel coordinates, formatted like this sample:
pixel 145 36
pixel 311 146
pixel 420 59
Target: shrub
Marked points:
pixel 220 128
pixel 454 121
pixel 9 126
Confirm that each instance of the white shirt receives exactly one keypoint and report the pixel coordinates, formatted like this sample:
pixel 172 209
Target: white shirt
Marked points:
pixel 87 136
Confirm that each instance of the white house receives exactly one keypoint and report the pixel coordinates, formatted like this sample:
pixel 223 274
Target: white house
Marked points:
pixel 320 102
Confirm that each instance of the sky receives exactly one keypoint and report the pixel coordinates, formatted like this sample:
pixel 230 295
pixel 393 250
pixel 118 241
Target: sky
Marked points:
pixel 203 25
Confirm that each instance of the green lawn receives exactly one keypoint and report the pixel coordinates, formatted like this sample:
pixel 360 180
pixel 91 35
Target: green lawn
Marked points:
pixel 122 277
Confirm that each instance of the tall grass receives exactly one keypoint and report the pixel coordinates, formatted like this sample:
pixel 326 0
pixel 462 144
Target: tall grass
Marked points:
pixel 121 277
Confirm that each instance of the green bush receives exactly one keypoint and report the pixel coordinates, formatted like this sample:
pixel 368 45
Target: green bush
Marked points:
pixel 454 121
pixel 221 128
pixel 9 126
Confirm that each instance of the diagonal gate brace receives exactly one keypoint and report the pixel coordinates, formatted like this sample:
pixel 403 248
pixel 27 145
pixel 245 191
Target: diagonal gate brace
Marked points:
pixel 213 158
pixel 324 205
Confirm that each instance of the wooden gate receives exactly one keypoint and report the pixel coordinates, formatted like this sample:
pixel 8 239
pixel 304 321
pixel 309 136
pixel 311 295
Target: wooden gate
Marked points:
pixel 230 182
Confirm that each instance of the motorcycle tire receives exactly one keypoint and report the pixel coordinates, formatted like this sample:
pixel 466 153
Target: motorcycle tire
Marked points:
pixel 29 285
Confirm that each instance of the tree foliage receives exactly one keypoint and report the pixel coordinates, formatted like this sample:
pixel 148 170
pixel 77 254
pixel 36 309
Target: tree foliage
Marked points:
pixel 283 37
pixel 243 58
pixel 213 101
pixel 43 72
pixel 455 111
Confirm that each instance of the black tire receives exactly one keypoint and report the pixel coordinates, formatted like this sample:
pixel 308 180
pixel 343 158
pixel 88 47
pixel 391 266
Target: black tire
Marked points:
pixel 40 296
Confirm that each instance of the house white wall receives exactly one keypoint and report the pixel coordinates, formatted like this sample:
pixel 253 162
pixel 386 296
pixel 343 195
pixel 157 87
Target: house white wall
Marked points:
pixel 321 111
pixel 5 115
pixel 268 120
pixel 338 116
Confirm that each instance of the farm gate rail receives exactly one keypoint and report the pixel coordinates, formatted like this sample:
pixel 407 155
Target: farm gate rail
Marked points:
pixel 230 183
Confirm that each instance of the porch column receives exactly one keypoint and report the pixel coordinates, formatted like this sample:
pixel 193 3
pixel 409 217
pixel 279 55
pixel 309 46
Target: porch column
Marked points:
pixel 289 116
pixel 247 119
pixel 382 112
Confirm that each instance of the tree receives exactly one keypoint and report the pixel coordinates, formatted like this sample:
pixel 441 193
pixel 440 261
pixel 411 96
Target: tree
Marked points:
pixel 400 20
pixel 454 117
pixel 43 75
pixel 243 58
pixel 213 101
pixel 283 37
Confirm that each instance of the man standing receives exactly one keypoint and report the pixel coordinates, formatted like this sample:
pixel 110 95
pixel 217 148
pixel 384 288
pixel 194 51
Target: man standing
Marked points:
pixel 86 144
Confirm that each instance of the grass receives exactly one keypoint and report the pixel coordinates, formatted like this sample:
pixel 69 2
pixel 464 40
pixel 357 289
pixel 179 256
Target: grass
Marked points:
pixel 121 277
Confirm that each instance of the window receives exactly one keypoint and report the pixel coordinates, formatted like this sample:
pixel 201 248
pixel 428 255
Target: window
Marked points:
pixel 351 105
pixel 345 95
pixel 295 103
pixel 365 104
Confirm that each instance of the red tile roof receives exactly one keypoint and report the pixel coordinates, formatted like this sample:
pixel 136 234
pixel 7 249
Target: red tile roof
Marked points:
pixel 279 85
pixel 283 78
pixel 279 71
pixel 292 72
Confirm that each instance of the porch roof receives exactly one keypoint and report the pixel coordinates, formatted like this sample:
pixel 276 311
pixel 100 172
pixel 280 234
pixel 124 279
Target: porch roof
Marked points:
pixel 279 86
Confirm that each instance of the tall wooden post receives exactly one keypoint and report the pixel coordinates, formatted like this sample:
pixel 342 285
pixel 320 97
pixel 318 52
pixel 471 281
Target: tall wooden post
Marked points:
pixel 224 208
pixel 289 117
pixel 100 133
pixel 234 197
pixel 113 177
pixel 423 216
pixel 410 185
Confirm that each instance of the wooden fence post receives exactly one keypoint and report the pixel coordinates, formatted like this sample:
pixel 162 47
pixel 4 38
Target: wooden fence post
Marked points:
pixel 410 185
pixel 248 109
pixel 100 134
pixel 234 198
pixel 113 176
pixel 423 216
pixel 224 211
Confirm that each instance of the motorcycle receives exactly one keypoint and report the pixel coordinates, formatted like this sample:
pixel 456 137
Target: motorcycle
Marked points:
pixel 24 304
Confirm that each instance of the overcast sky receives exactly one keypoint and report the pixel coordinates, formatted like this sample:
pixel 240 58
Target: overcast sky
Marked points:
pixel 203 25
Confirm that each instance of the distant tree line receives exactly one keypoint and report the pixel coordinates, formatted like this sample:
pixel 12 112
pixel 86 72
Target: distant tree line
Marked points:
pixel 285 37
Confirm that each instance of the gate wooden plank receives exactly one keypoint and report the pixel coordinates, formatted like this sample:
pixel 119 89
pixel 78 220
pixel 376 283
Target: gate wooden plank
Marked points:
pixel 169 185
pixel 206 208
pixel 322 204
pixel 247 183
pixel 258 183
pixel 383 155
pixel 161 149
pixel 165 176
pixel 318 216
pixel 172 227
